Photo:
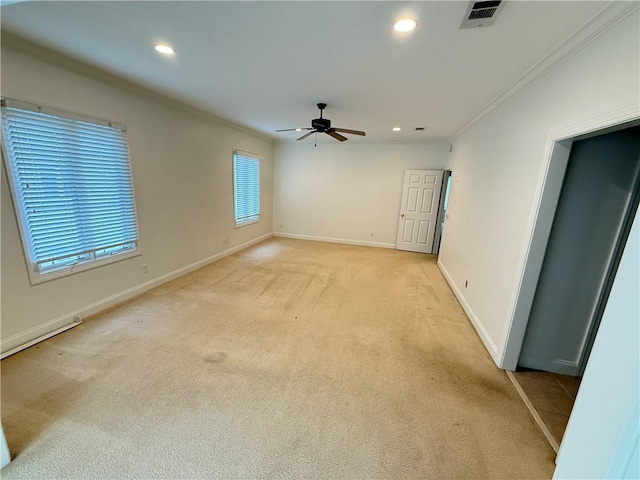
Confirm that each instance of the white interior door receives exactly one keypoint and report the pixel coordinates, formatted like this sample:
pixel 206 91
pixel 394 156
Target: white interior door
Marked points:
pixel 419 210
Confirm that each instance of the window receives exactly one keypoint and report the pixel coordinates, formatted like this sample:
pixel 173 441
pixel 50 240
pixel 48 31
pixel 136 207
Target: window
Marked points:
pixel 246 187
pixel 72 189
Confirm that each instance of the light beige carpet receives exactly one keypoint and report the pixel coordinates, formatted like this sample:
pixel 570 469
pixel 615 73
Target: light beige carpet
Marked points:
pixel 292 360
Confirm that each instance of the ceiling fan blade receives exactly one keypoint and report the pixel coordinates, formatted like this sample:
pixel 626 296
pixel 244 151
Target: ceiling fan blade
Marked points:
pixel 346 130
pixel 306 135
pixel 294 129
pixel 337 136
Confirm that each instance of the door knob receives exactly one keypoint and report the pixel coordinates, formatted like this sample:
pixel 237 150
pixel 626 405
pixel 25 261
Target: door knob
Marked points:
pixel 402 215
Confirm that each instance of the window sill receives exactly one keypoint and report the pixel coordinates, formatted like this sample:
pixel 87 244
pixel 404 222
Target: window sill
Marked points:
pixel 37 278
pixel 244 224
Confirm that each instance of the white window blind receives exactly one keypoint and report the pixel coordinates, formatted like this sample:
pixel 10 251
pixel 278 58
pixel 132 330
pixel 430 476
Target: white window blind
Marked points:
pixel 246 182
pixel 72 188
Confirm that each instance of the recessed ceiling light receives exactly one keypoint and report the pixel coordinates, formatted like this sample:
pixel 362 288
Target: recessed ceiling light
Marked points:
pixel 405 25
pixel 166 49
pixel 396 129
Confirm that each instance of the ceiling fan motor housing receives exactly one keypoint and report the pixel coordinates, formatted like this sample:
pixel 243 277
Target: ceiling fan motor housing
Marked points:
pixel 321 124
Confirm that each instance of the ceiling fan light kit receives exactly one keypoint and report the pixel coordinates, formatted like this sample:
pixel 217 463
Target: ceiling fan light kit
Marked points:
pixel 323 125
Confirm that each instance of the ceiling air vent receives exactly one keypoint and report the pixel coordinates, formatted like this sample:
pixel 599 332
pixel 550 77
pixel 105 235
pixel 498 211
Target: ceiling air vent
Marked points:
pixel 481 14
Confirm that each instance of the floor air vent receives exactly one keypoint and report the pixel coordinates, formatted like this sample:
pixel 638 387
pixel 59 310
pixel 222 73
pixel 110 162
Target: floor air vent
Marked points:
pixel 481 14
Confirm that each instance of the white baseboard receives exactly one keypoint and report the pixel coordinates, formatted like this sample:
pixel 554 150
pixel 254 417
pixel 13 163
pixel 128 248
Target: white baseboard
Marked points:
pixel 557 365
pixel 335 240
pixel 491 347
pixel 38 334
pixel 566 367
pixel 25 339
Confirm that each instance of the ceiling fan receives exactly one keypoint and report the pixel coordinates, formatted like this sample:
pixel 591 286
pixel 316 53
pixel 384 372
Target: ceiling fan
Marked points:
pixel 323 125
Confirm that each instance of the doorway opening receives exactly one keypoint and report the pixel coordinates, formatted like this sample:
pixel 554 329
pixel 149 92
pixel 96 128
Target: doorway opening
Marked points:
pixel 597 202
pixel 442 210
pixel 547 194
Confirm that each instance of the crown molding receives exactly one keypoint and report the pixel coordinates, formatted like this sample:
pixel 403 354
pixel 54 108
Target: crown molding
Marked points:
pixel 606 19
pixel 22 44
pixel 604 120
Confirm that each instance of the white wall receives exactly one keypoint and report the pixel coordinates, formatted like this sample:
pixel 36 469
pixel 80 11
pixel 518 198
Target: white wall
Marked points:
pixel 344 192
pixel 498 162
pixel 182 173
pixel 602 434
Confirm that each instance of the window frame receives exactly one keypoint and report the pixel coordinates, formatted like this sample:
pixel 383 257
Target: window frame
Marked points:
pixel 258 158
pixel 90 260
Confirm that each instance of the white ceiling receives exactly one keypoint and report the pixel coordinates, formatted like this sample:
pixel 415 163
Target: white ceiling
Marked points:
pixel 266 64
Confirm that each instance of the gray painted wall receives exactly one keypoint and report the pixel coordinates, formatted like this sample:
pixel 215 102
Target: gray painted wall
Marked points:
pixel 601 175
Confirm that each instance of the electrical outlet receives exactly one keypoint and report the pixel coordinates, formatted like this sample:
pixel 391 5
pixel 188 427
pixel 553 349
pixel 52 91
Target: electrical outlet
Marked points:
pixel 145 268
pixel 225 241
pixel 281 226
pixel 371 234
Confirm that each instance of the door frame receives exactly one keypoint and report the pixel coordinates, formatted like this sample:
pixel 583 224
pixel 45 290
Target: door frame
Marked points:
pixel 437 235
pixel 548 189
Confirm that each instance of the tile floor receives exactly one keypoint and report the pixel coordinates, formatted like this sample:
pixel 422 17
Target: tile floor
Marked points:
pixel 552 395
